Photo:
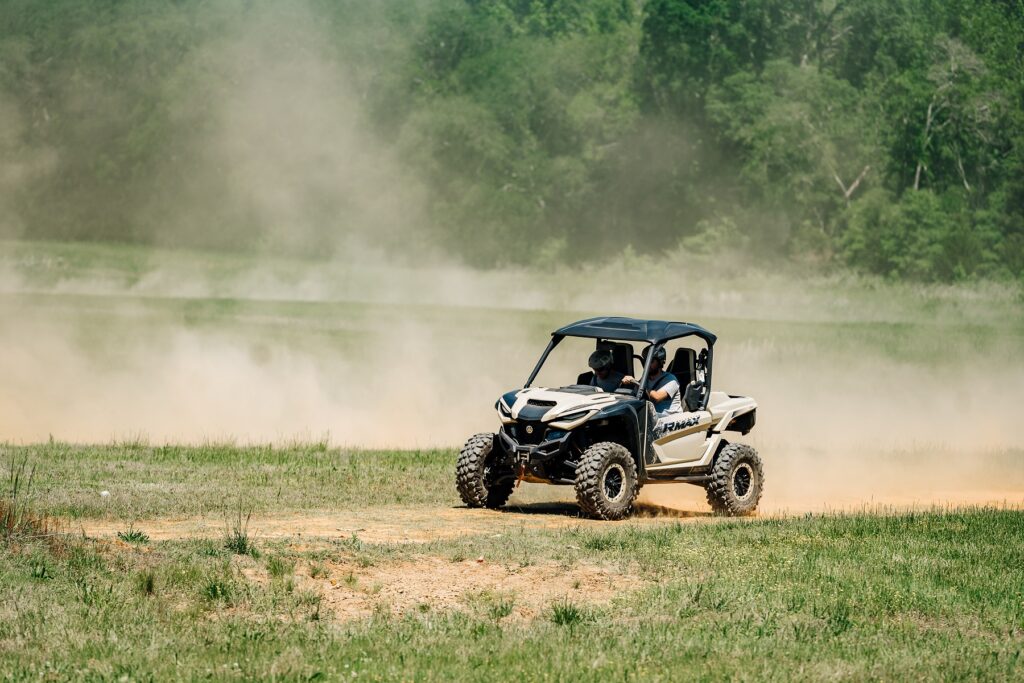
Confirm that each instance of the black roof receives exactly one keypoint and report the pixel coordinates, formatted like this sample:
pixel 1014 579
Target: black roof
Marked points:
pixel 631 329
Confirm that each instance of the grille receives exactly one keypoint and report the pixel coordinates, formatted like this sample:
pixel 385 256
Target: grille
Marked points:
pixel 541 404
pixel 525 438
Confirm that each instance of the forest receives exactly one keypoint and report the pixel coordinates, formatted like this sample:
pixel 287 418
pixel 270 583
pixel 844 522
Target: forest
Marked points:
pixel 880 136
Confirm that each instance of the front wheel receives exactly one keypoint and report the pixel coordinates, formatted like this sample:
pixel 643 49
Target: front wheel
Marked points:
pixel 480 481
pixel 606 481
pixel 736 481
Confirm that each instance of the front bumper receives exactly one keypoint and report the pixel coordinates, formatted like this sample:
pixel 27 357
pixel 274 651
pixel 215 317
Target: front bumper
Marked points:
pixel 535 458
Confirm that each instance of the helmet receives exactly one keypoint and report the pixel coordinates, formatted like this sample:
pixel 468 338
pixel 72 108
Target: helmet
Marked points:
pixel 659 353
pixel 600 359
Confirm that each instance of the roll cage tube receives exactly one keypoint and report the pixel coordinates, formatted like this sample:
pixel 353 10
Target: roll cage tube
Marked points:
pixel 555 341
pixel 707 377
pixel 647 368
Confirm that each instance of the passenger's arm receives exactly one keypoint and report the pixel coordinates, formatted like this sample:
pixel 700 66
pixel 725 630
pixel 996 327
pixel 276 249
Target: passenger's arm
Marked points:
pixel 657 395
pixel 667 391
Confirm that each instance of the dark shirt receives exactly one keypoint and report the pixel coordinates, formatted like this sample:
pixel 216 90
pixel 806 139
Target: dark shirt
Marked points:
pixel 610 383
pixel 665 382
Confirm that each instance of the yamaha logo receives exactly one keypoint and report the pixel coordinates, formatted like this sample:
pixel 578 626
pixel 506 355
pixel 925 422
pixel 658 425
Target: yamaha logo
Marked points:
pixel 529 429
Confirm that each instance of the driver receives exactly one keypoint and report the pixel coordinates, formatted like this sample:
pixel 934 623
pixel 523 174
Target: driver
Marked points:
pixel 605 376
pixel 661 386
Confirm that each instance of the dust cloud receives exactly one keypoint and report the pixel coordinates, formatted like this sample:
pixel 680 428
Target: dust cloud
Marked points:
pixel 283 154
pixel 840 424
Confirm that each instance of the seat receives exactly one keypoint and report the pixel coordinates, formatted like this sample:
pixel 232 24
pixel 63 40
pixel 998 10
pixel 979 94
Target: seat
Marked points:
pixel 622 356
pixel 585 378
pixel 683 366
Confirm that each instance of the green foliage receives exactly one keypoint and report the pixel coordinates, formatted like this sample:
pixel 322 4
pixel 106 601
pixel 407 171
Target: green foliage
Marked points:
pixel 217 589
pixel 565 613
pixel 279 567
pixel 501 608
pixel 133 535
pixel 145 582
pixel 536 132
pixel 236 537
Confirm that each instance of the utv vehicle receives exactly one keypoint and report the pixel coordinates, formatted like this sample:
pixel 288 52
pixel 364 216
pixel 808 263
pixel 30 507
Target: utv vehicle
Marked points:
pixel 609 444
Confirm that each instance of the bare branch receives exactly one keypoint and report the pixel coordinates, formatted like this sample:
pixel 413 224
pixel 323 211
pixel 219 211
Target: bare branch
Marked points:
pixel 853 188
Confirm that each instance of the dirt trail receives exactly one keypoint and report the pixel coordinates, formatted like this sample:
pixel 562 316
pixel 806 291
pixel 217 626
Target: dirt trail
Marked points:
pixel 657 505
pixel 382 525
pixel 792 502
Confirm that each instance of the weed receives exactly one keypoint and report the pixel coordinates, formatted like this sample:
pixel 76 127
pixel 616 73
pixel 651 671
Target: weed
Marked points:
pixel 566 613
pixel 133 535
pixel 39 570
pixel 317 570
pixel 217 589
pixel 500 609
pixel 278 567
pixel 237 537
pixel 89 594
pixel 839 618
pixel 145 582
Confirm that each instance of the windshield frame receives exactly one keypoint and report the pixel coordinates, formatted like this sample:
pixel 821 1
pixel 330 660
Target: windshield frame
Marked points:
pixel 637 392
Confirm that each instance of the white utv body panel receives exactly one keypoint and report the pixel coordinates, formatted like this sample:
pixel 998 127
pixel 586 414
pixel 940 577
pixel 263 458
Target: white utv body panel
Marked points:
pixel 564 404
pixel 690 440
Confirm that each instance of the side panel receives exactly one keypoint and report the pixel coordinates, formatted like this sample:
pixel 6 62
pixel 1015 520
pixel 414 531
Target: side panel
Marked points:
pixel 682 439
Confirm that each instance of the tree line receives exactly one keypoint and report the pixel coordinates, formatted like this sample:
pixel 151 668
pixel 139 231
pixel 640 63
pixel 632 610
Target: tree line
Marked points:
pixel 881 135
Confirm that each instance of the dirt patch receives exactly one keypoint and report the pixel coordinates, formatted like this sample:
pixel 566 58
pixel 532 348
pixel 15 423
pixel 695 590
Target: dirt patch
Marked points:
pixel 436 584
pixel 379 525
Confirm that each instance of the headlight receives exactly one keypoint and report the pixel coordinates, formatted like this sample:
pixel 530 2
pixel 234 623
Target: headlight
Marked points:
pixel 504 411
pixel 572 417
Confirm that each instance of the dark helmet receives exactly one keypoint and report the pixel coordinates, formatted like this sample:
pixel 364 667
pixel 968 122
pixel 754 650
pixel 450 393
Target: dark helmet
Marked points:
pixel 600 359
pixel 659 353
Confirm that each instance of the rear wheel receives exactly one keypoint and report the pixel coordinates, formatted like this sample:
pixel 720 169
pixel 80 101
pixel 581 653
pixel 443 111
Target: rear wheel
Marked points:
pixel 480 481
pixel 606 481
pixel 736 482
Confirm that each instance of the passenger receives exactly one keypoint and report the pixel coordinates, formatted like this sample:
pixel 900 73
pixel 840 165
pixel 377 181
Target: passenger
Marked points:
pixel 605 376
pixel 661 386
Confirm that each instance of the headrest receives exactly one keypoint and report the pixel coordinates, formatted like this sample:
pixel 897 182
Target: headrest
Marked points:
pixel 683 365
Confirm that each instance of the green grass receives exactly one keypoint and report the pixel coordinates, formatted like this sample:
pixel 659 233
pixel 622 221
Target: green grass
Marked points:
pixel 914 596
pixel 935 595
pixel 160 481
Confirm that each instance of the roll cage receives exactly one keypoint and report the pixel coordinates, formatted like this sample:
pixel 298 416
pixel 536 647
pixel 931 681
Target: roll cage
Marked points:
pixel 655 332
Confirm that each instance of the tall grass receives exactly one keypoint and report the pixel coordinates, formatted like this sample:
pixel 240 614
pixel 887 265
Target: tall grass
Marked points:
pixel 237 538
pixel 18 519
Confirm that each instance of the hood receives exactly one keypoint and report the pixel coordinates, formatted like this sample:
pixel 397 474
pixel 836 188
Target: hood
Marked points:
pixel 553 406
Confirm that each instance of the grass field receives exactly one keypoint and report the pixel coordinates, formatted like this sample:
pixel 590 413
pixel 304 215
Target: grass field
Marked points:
pixel 529 594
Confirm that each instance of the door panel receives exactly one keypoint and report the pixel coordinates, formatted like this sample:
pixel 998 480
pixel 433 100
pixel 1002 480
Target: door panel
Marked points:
pixel 685 438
